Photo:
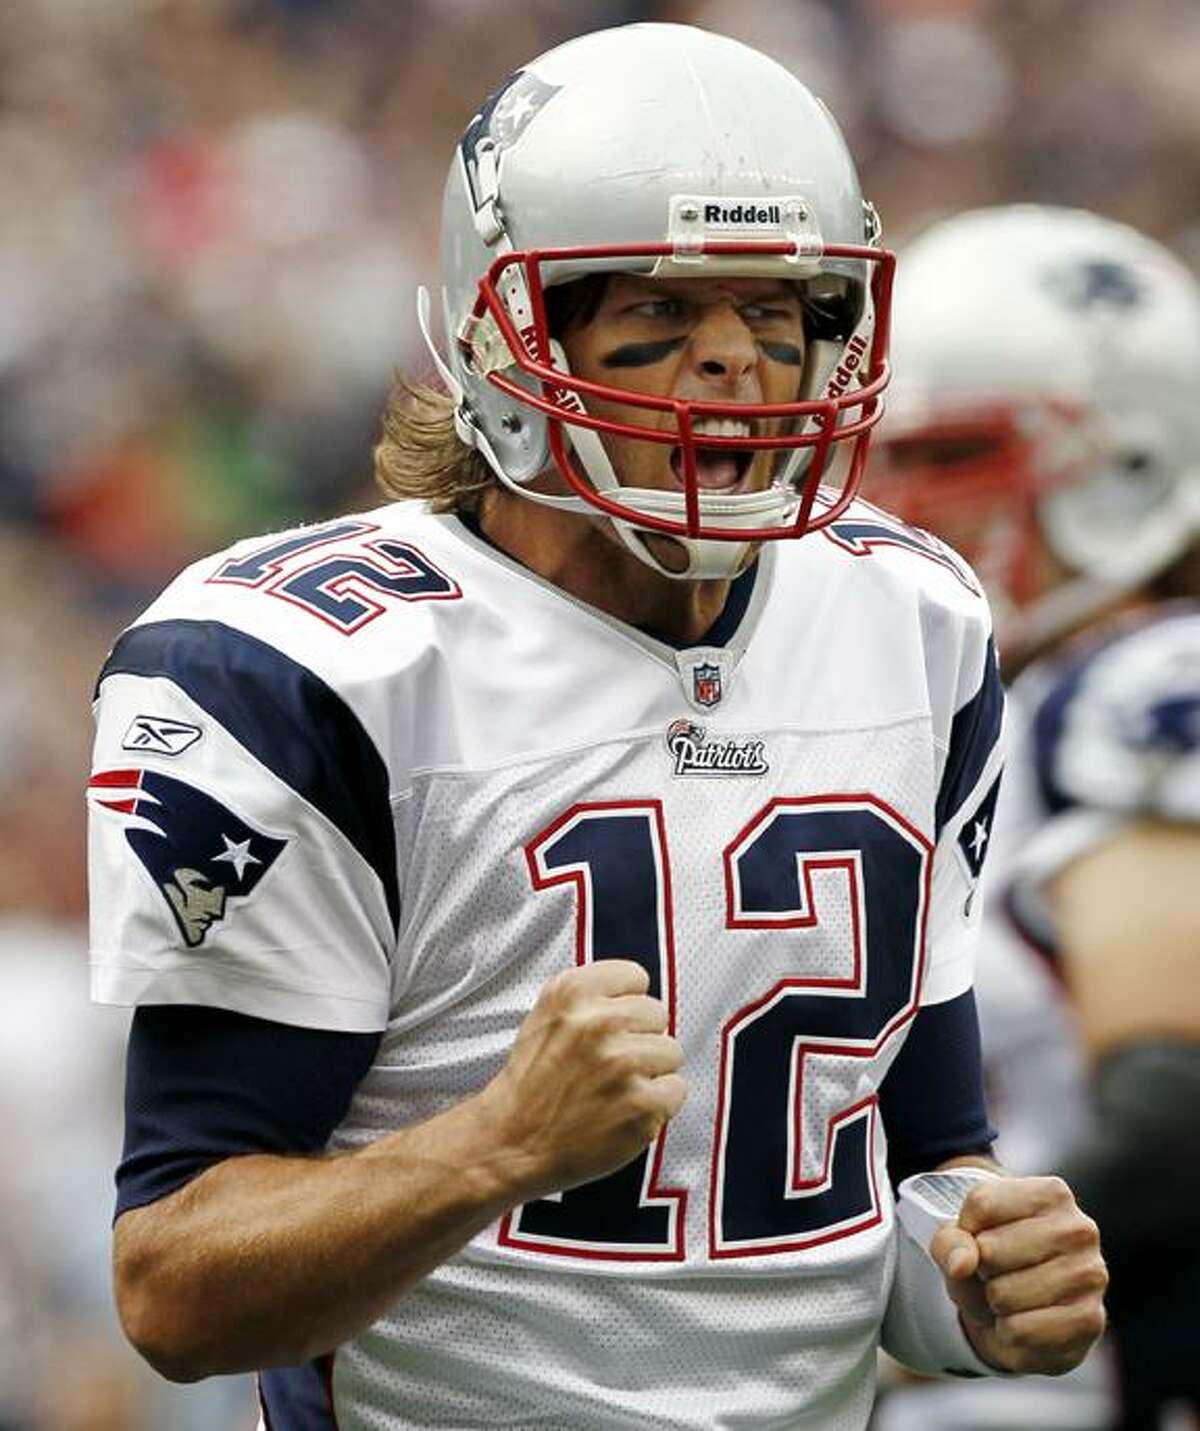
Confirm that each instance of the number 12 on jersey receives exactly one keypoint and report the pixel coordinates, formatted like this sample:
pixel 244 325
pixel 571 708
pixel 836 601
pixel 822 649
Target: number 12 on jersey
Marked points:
pixel 768 1193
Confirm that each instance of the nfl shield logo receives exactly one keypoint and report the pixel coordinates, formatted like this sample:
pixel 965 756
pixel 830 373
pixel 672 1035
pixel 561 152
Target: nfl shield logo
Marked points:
pixel 706 684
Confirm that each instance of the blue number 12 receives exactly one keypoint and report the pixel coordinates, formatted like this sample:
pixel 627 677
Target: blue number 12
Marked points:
pixel 792 1160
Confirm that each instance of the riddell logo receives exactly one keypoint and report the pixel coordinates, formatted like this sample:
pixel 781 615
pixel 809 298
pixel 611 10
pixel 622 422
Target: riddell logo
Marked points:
pixel 743 214
pixel 851 362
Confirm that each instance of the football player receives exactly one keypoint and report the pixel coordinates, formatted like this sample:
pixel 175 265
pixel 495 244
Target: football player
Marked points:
pixel 446 848
pixel 1062 454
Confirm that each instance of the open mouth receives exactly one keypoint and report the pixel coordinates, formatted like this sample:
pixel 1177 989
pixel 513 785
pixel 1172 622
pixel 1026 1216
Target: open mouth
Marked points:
pixel 718 469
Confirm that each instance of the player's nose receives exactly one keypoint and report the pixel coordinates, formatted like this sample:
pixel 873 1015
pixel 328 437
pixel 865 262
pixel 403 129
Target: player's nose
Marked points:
pixel 723 351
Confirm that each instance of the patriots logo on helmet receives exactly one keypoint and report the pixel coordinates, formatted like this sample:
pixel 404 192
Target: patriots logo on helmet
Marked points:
pixel 198 852
pixel 503 118
pixel 1096 283
pixel 1170 725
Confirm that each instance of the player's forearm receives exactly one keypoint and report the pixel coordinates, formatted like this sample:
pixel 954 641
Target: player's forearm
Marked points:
pixel 268 1261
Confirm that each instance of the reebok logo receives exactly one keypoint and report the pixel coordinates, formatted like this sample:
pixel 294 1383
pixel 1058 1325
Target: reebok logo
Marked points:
pixel 161 735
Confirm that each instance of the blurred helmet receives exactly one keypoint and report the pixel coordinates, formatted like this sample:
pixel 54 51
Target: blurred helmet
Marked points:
pixel 663 151
pixel 1046 400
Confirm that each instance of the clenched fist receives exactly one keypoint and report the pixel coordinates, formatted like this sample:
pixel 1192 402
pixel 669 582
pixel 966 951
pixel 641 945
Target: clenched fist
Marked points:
pixel 1023 1265
pixel 591 1079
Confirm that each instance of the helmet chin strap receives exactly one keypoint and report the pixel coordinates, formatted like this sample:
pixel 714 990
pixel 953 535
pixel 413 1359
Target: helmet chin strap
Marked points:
pixel 704 558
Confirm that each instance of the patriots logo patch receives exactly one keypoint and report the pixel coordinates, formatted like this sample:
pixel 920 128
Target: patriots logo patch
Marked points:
pixel 198 852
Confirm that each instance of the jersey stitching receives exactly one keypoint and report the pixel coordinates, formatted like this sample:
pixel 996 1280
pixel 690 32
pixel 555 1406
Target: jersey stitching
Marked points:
pixel 655 732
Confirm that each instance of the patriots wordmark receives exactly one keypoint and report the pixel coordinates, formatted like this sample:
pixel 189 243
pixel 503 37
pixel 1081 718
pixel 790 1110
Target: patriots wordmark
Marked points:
pixel 694 755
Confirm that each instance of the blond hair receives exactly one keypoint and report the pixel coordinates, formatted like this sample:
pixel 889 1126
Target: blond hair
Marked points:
pixel 420 456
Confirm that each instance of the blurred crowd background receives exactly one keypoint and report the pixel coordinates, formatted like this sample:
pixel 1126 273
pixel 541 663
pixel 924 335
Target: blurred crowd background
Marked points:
pixel 215 215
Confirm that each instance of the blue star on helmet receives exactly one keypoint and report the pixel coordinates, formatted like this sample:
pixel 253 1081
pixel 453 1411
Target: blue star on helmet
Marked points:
pixel 512 107
pixel 200 854
pixel 502 119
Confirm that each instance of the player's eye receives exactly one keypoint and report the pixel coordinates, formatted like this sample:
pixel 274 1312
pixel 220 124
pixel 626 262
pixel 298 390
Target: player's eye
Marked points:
pixel 765 313
pixel 657 308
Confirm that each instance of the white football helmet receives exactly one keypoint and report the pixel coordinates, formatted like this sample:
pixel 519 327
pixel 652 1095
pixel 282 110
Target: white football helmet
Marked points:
pixel 1046 398
pixel 665 151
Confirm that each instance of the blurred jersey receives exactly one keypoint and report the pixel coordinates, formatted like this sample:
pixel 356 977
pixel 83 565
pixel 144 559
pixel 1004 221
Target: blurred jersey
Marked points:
pixel 374 775
pixel 1117 744
pixel 1116 738
pixel 1105 733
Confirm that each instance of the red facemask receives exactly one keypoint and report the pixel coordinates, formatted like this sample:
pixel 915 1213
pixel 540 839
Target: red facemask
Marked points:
pixel 842 417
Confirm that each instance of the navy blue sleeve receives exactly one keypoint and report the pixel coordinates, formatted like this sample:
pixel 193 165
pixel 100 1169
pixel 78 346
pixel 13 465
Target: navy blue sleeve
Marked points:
pixel 973 736
pixel 204 1084
pixel 932 1099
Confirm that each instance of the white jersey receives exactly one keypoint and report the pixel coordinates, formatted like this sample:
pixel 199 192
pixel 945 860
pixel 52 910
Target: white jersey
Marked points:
pixel 373 775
